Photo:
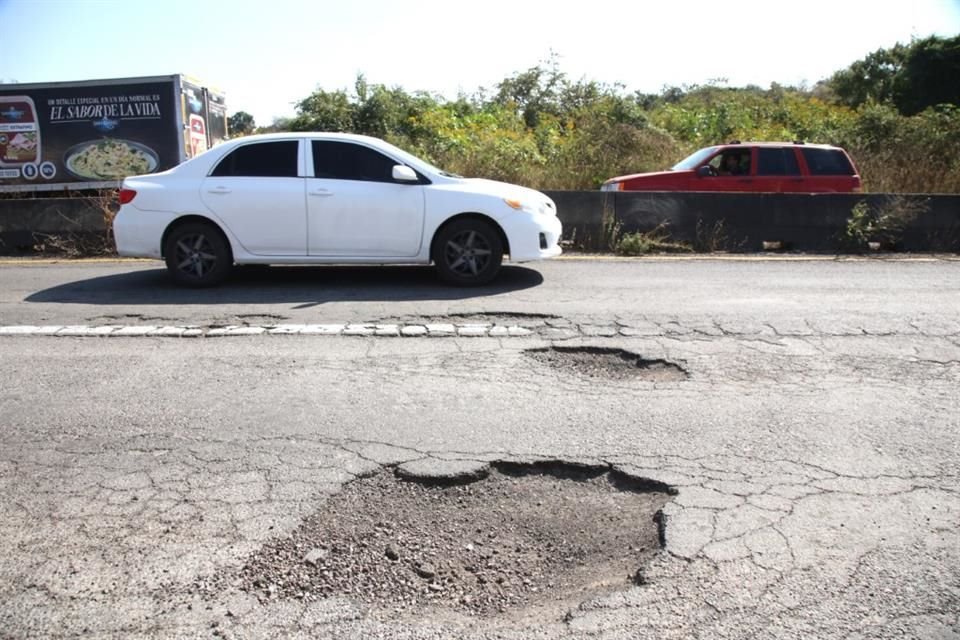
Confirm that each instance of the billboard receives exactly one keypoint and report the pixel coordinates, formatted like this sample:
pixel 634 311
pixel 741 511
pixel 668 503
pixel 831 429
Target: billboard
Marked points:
pixel 204 117
pixel 87 132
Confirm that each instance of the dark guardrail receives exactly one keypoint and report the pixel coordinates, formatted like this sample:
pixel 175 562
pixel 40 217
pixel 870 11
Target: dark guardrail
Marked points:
pixel 594 220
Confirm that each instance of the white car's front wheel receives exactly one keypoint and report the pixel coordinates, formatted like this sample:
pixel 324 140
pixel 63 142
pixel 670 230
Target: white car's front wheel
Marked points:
pixel 468 252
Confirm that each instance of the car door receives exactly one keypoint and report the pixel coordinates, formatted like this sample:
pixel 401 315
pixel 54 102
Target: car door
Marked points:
pixel 777 170
pixel 725 179
pixel 354 206
pixel 257 191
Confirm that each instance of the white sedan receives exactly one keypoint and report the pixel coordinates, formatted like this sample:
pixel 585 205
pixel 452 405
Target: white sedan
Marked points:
pixel 325 198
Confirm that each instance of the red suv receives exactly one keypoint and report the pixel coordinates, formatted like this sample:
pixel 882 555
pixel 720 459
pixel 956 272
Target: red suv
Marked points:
pixel 769 167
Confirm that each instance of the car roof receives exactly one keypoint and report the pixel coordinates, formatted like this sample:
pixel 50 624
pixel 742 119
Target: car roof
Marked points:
pixel 376 143
pixel 773 144
pixel 326 135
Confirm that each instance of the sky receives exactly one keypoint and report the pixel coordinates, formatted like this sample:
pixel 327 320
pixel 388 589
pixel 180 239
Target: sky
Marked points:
pixel 268 54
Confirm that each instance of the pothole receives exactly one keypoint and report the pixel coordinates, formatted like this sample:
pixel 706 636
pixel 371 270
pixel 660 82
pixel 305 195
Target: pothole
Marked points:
pixel 523 540
pixel 605 362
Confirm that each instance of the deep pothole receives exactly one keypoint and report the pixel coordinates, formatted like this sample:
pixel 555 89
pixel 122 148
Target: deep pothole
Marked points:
pixel 522 540
pixel 607 362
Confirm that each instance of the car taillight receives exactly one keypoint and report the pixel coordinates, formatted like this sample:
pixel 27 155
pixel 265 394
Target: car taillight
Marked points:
pixel 127 195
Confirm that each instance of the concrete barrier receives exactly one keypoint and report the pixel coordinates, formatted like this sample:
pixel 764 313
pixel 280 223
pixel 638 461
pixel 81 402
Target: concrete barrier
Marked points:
pixel 744 221
pixel 704 221
pixel 27 223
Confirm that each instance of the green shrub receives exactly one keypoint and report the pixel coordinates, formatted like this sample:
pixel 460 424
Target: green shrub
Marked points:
pixel 541 129
pixel 883 223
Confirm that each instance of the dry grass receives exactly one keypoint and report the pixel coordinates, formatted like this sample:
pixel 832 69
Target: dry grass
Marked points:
pixel 657 240
pixel 905 169
pixel 711 238
pixel 83 244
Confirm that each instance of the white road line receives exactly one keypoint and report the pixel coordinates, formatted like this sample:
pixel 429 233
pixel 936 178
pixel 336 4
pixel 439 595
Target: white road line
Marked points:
pixel 135 330
pixel 322 329
pixel 441 329
pixel 466 330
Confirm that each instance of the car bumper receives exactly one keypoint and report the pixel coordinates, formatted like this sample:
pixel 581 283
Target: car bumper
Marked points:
pixel 138 233
pixel 533 237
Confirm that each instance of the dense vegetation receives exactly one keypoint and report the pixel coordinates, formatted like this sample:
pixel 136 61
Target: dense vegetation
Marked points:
pixel 897 111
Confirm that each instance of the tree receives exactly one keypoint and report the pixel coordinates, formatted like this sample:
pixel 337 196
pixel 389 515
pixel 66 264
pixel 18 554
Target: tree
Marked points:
pixel 911 77
pixel 240 124
pixel 278 125
pixel 534 92
pixel 929 76
pixel 870 79
pixel 325 111
pixel 384 112
pixel 373 110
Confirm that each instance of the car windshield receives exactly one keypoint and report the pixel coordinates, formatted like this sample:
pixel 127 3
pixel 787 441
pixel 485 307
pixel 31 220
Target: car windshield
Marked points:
pixel 413 160
pixel 694 160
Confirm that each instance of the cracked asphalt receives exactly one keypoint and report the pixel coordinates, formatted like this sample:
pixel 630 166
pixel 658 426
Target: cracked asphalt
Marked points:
pixel 813 445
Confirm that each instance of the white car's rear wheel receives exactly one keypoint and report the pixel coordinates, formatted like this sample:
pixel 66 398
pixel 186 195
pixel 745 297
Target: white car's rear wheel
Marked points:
pixel 468 252
pixel 198 255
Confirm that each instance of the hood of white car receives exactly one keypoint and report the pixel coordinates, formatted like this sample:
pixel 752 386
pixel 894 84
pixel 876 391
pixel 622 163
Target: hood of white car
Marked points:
pixel 501 189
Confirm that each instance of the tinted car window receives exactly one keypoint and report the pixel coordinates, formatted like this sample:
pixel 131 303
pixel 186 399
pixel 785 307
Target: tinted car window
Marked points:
pixel 262 159
pixel 346 161
pixel 827 162
pixel 777 162
pixel 732 162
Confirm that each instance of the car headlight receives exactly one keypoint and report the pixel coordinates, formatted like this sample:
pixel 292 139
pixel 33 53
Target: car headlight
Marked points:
pixel 519 205
pixel 542 208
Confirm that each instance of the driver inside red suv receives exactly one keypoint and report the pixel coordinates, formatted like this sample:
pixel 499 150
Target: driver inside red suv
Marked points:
pixel 735 164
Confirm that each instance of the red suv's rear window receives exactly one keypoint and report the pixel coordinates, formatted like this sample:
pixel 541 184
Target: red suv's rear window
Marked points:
pixel 827 162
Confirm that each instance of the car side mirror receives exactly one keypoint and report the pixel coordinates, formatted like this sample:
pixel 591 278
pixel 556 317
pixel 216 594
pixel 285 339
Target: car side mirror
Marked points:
pixel 403 173
pixel 704 172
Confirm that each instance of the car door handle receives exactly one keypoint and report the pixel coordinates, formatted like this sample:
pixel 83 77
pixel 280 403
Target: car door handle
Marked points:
pixel 321 192
pixel 746 180
pixel 218 190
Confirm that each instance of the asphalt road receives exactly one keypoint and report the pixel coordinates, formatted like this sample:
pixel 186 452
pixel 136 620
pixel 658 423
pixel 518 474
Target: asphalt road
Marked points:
pixel 813 444
pixel 747 290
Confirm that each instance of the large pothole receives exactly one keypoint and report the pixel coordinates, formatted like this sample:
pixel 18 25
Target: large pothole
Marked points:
pixel 606 362
pixel 522 539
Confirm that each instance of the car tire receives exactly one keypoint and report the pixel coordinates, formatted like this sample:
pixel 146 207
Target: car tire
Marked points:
pixel 198 255
pixel 468 252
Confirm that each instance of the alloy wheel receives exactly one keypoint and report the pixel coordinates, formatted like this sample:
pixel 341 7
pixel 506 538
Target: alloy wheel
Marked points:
pixel 468 253
pixel 195 256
